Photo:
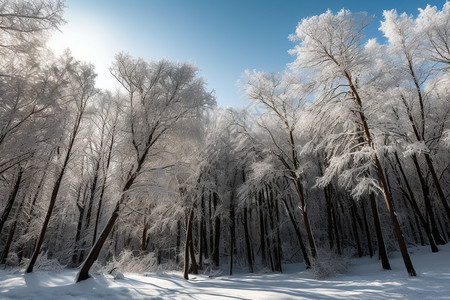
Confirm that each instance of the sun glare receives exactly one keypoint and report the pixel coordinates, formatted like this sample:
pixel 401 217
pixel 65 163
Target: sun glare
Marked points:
pixel 88 41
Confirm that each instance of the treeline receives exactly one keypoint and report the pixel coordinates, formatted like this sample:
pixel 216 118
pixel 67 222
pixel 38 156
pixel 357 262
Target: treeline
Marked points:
pixel 345 153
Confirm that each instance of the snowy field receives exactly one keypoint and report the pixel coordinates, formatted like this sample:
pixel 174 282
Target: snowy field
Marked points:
pixel 364 280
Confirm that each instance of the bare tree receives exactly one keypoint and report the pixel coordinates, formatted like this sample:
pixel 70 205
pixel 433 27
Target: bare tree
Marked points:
pixel 331 46
pixel 160 94
pixel 79 91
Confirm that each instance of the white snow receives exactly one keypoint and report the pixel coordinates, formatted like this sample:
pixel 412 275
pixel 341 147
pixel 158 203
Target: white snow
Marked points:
pixel 364 280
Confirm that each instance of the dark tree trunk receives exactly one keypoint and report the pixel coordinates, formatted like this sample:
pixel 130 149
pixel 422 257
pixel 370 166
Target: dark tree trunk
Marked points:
pixel 8 243
pixel 383 183
pixel 210 225
pixel 412 201
pixel 216 253
pixel 336 229
pixel 298 233
pixel 144 235
pixel 76 251
pixel 274 224
pixel 366 226
pixel 12 231
pixel 83 274
pixel 303 209
pixel 381 246
pixel 355 228
pixel 186 248
pixel 202 241
pixel 102 192
pixel 232 226
pixel 247 241
pixel 262 230
pixel 40 240
pixel 20 250
pixel 55 190
pixel 194 266
pixel 437 185
pixel 11 200
pixel 428 207
pixel 327 193
pixel 177 248
pixel 268 242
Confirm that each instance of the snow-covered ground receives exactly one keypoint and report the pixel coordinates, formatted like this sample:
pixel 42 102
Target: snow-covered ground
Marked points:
pixel 364 280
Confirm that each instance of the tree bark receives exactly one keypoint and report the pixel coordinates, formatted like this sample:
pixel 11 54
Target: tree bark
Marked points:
pixel 380 240
pixel 299 234
pixel 144 235
pixel 216 231
pixel 383 183
pixel 57 184
pixel 247 241
pixel 11 200
pixel 428 207
pixel 189 246
pixel 355 228
pixel 366 226
pixel 83 274
pixel 412 201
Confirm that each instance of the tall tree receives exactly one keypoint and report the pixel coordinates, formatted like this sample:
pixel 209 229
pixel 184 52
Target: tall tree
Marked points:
pixel 281 98
pixel 80 89
pixel 331 47
pixel 160 94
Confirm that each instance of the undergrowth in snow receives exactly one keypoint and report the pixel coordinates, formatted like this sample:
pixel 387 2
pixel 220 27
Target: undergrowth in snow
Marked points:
pixel 362 279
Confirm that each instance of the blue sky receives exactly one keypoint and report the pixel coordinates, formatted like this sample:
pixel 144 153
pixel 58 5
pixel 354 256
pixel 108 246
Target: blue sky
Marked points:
pixel 223 38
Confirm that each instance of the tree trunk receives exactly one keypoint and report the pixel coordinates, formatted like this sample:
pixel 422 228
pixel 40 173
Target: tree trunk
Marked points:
pixel 336 229
pixel 437 185
pixel 83 274
pixel 20 250
pixel 303 209
pixel 216 231
pixel 11 200
pixel 326 191
pixel 76 251
pixel 262 230
pixel 274 224
pixel 8 243
pixel 298 233
pixel 144 235
pixel 393 216
pixel 40 240
pixel 100 200
pixel 383 183
pixel 202 241
pixel 232 227
pixel 366 226
pixel 412 201
pixel 178 243
pixel 210 225
pixel 381 246
pixel 55 189
pixel 355 228
pixel 247 241
pixel 194 266
pixel 428 207
pixel 188 247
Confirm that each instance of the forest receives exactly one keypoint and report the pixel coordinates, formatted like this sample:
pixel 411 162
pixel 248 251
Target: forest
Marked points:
pixel 344 154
